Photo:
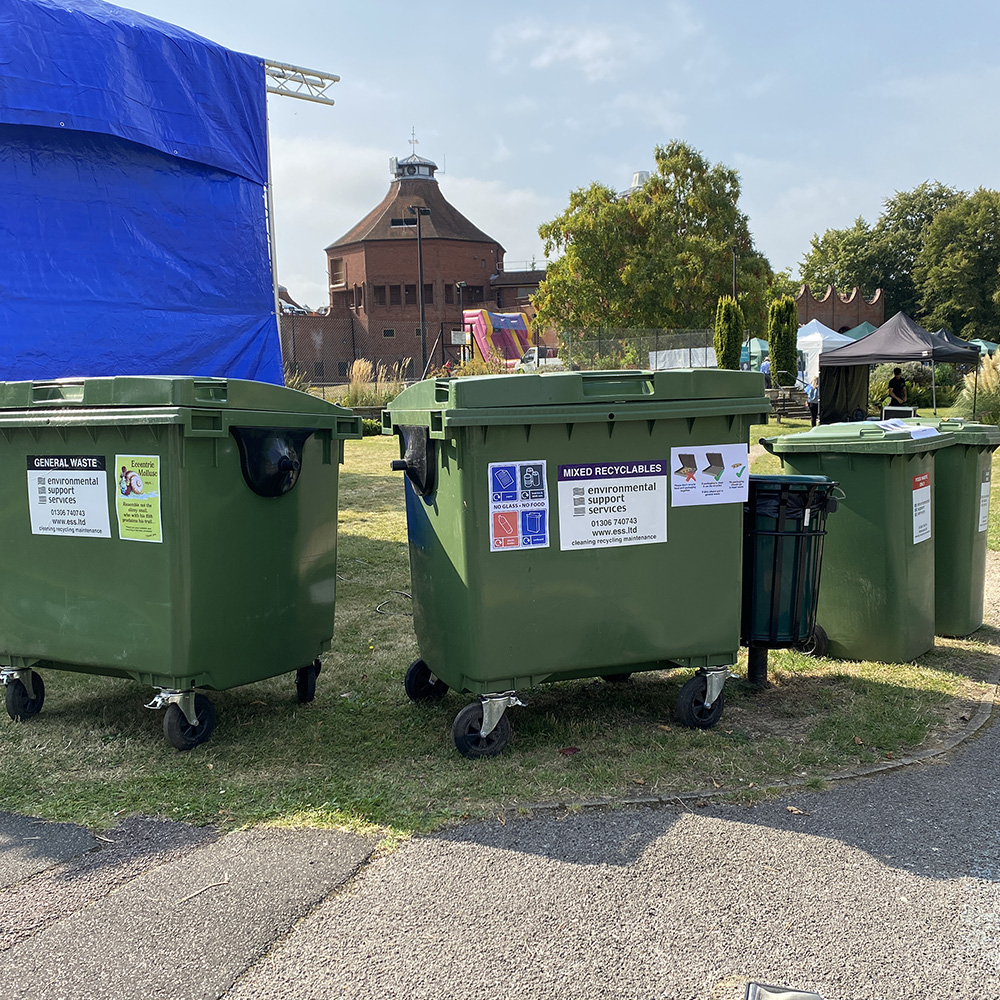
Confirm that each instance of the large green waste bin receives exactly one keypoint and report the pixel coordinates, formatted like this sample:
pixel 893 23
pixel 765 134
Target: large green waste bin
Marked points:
pixel 573 524
pixel 961 513
pixel 876 599
pixel 178 531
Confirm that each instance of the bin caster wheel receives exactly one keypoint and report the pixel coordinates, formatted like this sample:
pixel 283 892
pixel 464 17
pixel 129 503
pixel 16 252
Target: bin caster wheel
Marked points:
pixel 818 643
pixel 305 681
pixel 691 704
pixel 616 678
pixel 465 732
pixel 421 685
pixel 19 705
pixel 180 733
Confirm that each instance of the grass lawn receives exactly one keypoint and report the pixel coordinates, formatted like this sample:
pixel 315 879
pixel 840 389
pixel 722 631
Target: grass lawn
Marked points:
pixel 362 756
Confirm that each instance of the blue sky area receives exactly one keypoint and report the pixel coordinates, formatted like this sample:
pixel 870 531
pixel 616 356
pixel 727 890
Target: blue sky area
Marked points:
pixel 825 110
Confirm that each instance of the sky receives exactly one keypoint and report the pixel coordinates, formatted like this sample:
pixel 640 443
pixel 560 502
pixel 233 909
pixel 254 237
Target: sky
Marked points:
pixel 824 110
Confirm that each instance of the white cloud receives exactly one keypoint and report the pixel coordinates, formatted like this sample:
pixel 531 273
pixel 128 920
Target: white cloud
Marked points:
pixel 601 50
pixel 663 110
pixel 510 215
pixel 321 188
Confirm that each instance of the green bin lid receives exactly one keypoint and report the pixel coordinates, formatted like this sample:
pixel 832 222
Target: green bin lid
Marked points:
pixel 964 431
pixel 780 482
pixel 562 388
pixel 861 437
pixel 485 399
pixel 162 390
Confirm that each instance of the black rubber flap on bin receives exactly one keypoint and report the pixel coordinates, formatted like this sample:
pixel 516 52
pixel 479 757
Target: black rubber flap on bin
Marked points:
pixel 419 460
pixel 271 457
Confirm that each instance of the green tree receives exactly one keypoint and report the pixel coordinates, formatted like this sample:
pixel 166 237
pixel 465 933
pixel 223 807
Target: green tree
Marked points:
pixel 782 331
pixel 897 239
pixel 657 258
pixel 958 270
pixel 729 326
pixel 841 258
pixel 880 256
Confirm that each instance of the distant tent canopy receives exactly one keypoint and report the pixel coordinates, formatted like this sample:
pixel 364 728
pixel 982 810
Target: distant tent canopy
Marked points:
pixel 753 353
pixel 843 386
pixel 985 346
pixel 133 174
pixel 861 330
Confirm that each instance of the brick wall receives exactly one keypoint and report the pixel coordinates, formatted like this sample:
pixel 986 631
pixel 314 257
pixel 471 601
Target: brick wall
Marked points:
pixel 840 311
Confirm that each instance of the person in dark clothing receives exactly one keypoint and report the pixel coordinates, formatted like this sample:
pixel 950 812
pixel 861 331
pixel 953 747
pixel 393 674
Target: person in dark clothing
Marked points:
pixel 897 388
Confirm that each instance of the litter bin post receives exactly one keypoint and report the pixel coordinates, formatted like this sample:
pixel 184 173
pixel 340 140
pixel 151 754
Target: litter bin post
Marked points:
pixel 876 600
pixel 180 532
pixel 575 524
pixel 961 519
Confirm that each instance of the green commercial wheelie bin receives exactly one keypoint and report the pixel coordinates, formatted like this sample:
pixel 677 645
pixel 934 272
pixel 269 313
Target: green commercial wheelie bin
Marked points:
pixel 876 599
pixel 178 531
pixel 961 515
pixel 573 524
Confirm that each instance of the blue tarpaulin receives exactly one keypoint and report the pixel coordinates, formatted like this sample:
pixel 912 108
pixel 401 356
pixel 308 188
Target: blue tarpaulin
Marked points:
pixel 133 173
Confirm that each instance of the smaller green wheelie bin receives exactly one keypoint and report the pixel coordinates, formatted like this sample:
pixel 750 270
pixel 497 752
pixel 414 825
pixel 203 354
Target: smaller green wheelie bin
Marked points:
pixel 784 528
pixel 876 599
pixel 181 532
pixel 574 524
pixel 961 516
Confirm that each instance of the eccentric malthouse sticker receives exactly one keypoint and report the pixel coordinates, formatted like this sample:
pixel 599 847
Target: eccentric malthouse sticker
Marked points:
pixel 138 498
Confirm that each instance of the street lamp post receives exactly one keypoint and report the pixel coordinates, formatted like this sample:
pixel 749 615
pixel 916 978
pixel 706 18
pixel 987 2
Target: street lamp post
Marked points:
pixel 461 286
pixel 418 211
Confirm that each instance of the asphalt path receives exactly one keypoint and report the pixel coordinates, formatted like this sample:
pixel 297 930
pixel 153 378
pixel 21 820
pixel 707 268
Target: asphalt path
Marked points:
pixel 884 887
pixel 880 887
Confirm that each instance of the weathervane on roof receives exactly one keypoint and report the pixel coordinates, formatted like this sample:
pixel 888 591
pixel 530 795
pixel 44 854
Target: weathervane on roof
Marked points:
pixel 413 140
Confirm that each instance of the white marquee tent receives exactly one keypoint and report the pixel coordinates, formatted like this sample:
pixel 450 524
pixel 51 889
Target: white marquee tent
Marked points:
pixel 813 339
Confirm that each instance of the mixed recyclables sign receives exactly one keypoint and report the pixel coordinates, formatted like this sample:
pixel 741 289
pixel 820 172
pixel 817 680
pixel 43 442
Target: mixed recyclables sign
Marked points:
pixel 68 495
pixel 609 504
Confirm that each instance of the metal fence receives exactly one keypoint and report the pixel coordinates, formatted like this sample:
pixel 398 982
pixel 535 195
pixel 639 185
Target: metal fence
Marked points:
pixel 656 349
pixel 322 349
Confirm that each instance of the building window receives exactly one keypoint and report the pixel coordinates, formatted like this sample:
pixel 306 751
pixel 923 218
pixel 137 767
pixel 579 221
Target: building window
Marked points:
pixel 449 295
pixel 338 273
pixel 342 367
pixel 410 220
pixel 359 297
pixel 378 294
pixel 474 293
pixel 318 370
pixel 388 332
pixel 395 296
pixel 410 295
pixel 416 330
pixel 429 295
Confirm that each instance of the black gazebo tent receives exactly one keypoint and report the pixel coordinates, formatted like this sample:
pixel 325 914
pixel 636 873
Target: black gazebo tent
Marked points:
pixel 843 373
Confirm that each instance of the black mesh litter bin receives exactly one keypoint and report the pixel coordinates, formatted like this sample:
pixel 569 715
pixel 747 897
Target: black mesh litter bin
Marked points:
pixel 784 525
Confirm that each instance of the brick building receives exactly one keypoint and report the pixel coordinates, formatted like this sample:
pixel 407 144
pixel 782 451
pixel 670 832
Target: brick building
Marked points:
pixel 374 310
pixel 840 311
